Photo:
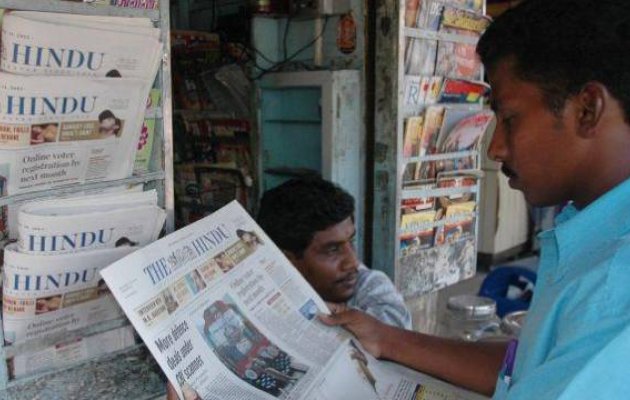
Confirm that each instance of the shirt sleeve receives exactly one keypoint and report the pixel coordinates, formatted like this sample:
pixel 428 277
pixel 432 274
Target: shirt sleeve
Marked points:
pixel 377 296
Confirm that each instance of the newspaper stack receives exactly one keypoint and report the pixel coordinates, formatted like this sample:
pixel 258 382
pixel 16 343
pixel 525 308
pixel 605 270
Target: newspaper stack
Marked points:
pixel 73 92
pixel 51 275
pixel 228 317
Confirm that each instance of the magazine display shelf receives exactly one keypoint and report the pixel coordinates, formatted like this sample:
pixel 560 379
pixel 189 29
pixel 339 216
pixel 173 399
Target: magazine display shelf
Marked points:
pixel 131 372
pixel 417 273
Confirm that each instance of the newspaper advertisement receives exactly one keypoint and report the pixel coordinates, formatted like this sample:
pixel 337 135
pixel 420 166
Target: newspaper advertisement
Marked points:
pixel 228 317
pixel 45 295
pixel 57 131
pixel 34 43
pixel 90 222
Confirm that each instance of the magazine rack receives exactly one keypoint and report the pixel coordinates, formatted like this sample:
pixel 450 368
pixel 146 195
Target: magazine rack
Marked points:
pixel 424 270
pixel 129 373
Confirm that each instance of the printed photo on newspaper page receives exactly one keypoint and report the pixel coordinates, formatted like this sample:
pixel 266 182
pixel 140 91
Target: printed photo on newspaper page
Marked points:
pixel 228 317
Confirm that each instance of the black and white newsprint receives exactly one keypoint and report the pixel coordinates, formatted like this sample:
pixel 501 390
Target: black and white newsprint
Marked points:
pixel 228 317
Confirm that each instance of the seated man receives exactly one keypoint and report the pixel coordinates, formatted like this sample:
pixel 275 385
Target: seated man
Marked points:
pixel 312 222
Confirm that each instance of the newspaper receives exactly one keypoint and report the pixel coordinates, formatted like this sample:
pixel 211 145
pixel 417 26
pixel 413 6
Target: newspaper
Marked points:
pixel 57 131
pixel 228 317
pixel 10 212
pixel 91 222
pixel 35 43
pixel 46 295
pixel 70 352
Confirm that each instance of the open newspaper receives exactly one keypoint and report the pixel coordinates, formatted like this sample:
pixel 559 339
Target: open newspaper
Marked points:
pixel 36 43
pixel 89 222
pixel 57 131
pixel 228 317
pixel 46 295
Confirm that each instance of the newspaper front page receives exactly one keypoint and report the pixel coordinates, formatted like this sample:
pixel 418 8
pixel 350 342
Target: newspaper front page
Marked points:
pixel 58 131
pixel 228 317
pixel 91 222
pixel 45 295
pixel 35 43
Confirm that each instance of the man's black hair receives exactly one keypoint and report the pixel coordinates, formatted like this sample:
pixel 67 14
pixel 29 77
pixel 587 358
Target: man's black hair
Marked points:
pixel 561 45
pixel 293 212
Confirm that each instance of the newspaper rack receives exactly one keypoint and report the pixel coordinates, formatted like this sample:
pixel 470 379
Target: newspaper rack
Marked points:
pixel 129 372
pixel 418 271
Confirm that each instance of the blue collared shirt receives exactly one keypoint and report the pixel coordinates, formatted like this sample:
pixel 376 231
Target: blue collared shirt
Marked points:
pixel 576 341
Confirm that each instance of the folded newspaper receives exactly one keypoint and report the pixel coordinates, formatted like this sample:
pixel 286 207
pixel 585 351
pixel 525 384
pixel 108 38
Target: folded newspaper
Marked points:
pixel 57 131
pixel 89 222
pixel 228 317
pixel 46 295
pixel 37 43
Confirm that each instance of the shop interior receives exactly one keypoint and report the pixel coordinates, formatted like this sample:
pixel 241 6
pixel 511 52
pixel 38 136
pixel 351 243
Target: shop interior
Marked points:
pixel 252 93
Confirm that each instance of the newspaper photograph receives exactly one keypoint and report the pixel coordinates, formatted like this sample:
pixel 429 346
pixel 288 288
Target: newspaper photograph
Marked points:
pixel 46 295
pixel 35 43
pixel 98 221
pixel 228 317
pixel 56 131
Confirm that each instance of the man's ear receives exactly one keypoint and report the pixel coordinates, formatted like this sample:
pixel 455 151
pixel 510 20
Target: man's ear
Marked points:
pixel 592 101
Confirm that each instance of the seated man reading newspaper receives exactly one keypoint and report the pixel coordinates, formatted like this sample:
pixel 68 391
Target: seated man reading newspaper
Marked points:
pixel 311 220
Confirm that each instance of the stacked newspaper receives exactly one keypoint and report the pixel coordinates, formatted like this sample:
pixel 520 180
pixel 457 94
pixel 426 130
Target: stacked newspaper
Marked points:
pixel 51 275
pixel 73 92
pixel 228 317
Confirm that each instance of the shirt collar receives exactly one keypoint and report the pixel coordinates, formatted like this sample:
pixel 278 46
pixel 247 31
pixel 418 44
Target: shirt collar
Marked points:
pixel 605 219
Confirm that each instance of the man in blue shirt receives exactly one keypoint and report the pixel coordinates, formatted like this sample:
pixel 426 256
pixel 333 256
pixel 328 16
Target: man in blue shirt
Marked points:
pixel 560 76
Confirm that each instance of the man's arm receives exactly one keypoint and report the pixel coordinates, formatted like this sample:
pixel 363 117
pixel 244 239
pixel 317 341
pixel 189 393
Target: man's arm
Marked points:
pixel 471 365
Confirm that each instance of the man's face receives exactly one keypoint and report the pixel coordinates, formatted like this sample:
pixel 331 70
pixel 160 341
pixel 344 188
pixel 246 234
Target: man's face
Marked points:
pixel 330 263
pixel 540 152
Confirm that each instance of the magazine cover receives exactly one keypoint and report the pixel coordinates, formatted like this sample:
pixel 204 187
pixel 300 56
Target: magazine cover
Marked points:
pixel 416 231
pixel 425 270
pixel 420 57
pixel 434 116
pixel 460 91
pixel 456 210
pixel 415 90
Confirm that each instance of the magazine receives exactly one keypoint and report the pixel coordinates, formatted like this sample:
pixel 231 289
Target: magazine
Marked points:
pixel 420 56
pixel 47 295
pixel 35 43
pixel 58 131
pixel 86 223
pixel 457 210
pixel 458 91
pixel 434 116
pixel 457 59
pixel 228 317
